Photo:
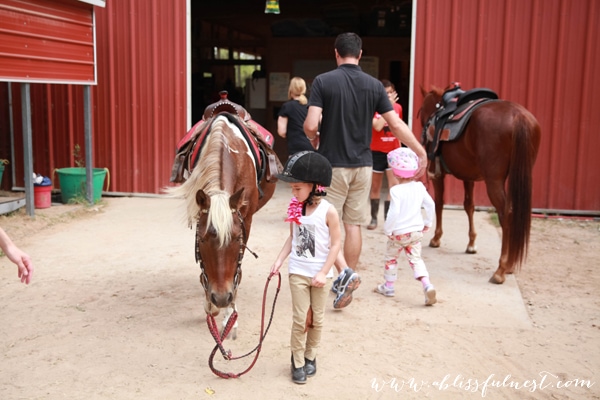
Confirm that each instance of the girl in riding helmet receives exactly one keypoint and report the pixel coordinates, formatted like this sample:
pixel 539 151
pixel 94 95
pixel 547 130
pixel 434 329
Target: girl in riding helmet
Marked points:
pixel 313 245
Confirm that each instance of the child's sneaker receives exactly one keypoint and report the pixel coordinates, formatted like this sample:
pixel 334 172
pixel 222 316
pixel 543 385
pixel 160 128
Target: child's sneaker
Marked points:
pixel 348 282
pixel 384 290
pixel 429 295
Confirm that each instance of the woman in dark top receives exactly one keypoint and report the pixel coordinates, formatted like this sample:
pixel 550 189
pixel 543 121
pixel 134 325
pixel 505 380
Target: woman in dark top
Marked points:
pixel 290 124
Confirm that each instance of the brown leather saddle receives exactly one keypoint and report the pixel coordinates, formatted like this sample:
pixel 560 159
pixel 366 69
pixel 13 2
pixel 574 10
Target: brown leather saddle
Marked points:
pixel 453 113
pixel 259 139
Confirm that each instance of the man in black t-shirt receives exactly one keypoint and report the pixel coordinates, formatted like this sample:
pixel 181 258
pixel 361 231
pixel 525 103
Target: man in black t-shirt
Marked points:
pixel 343 102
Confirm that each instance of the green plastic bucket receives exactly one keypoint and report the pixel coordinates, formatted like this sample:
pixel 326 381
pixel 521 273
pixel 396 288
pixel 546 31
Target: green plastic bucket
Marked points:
pixel 73 183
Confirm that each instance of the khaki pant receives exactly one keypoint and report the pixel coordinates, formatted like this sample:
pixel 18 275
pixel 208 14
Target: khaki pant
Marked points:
pixel 304 296
pixel 349 193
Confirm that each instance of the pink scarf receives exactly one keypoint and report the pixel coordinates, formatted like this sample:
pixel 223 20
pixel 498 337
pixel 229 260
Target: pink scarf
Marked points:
pixel 295 208
pixel 294 211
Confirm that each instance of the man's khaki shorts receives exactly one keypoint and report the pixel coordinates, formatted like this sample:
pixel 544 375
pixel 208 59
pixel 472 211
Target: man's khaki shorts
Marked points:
pixel 349 193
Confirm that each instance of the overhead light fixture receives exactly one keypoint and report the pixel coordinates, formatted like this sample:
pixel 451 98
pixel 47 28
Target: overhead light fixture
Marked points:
pixel 272 7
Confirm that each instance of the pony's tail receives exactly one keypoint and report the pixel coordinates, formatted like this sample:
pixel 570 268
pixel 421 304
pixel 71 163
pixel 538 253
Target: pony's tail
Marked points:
pixel 524 151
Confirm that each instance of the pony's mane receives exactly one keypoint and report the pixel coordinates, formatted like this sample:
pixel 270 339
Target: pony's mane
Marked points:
pixel 438 91
pixel 207 176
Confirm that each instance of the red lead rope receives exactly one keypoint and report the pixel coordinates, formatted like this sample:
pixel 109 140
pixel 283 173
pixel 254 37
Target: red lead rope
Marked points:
pixel 214 331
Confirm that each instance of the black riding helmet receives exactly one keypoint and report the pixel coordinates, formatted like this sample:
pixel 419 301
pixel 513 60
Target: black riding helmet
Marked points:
pixel 307 166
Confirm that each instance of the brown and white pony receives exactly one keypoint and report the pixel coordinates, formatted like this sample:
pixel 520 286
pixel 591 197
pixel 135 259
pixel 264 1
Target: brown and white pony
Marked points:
pixel 221 196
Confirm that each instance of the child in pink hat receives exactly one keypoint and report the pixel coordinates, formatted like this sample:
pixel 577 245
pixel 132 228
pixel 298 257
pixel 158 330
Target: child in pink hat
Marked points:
pixel 405 224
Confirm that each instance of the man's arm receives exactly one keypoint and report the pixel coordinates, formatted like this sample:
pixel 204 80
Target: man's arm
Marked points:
pixel 311 123
pixel 405 135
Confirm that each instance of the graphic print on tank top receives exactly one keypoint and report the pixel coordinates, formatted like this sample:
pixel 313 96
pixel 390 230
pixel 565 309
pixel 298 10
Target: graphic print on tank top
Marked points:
pixel 306 241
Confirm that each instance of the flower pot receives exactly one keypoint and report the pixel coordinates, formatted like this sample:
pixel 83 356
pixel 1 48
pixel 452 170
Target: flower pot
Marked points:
pixel 73 183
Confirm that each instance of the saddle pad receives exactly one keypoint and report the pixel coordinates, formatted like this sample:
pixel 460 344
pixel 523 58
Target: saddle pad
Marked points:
pixel 258 138
pixel 447 127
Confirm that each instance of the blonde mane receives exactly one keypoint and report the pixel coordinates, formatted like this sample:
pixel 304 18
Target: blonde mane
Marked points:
pixel 207 176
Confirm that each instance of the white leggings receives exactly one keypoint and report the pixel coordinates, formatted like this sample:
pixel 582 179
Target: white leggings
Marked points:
pixel 411 244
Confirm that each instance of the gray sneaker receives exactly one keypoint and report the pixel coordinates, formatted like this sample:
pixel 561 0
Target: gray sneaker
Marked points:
pixel 384 290
pixel 336 283
pixel 349 281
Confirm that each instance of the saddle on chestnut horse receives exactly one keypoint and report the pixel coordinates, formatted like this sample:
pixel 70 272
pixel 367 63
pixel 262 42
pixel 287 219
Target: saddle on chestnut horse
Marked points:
pixel 453 112
pixel 259 140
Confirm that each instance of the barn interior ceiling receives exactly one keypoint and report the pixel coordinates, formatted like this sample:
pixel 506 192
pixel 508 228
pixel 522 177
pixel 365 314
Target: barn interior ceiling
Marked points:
pixel 310 18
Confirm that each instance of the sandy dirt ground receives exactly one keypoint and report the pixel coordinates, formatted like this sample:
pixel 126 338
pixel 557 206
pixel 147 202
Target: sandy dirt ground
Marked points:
pixel 115 312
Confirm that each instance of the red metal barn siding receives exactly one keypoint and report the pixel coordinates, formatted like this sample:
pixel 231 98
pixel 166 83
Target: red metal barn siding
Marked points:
pixel 63 114
pixel 57 124
pixel 44 41
pixel 540 53
pixel 139 104
pixel 141 93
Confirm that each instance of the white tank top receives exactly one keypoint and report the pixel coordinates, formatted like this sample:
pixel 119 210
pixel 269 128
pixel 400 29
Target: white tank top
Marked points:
pixel 310 243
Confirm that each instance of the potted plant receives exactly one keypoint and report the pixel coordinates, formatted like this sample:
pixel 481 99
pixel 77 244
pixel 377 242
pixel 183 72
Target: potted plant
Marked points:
pixel 73 180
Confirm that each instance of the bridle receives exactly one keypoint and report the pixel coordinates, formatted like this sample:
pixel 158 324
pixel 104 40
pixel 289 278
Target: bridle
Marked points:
pixel 210 319
pixel 242 241
pixel 429 120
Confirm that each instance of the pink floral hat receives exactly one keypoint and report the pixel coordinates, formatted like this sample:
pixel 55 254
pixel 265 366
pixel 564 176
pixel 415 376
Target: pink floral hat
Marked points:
pixel 404 162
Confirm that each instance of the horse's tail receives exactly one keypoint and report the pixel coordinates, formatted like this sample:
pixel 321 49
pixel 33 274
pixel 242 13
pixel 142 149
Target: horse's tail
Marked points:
pixel 525 143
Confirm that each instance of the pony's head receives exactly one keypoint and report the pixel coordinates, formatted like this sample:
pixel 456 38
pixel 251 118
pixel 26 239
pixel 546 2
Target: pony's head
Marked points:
pixel 429 105
pixel 221 237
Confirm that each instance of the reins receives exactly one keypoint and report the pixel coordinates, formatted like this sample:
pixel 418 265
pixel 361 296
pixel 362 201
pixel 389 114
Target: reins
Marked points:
pixel 210 320
pixel 214 330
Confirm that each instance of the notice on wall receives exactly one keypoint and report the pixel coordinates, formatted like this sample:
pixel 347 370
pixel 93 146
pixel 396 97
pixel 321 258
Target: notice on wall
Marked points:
pixel 278 86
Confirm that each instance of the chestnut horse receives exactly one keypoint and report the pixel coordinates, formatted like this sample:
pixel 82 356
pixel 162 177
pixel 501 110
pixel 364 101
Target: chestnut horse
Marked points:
pixel 221 196
pixel 499 143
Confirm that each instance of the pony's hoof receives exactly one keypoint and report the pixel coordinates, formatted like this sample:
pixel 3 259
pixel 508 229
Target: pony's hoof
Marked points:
pixel 434 243
pixel 471 250
pixel 497 279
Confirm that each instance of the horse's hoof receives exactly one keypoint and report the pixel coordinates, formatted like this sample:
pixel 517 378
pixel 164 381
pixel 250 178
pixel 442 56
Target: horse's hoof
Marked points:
pixel 434 243
pixel 471 250
pixel 497 279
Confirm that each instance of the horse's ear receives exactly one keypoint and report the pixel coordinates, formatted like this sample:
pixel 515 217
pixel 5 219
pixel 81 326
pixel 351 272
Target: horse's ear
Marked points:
pixel 236 201
pixel 423 91
pixel 202 200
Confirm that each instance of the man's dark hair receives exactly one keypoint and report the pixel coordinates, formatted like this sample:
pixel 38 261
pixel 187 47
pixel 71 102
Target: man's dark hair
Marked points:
pixel 348 44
